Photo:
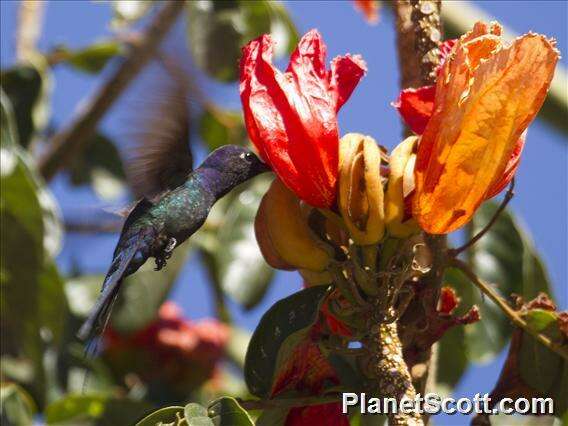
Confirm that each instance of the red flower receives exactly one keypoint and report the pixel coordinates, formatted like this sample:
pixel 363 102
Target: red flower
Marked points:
pixel 369 8
pixel 291 117
pixel 170 350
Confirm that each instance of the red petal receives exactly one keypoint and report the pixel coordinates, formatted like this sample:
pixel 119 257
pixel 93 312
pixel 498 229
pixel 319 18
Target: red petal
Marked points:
pixel 416 107
pixel 292 117
pixel 510 170
pixel 263 121
pixel 346 71
pixel 446 48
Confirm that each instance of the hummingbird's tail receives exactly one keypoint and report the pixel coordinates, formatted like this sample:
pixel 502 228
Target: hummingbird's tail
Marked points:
pixel 95 324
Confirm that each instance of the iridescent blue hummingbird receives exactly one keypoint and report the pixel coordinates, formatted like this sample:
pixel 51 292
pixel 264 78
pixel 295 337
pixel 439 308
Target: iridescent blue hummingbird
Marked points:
pixel 156 228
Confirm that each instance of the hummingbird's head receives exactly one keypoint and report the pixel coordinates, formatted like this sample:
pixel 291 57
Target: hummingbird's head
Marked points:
pixel 234 164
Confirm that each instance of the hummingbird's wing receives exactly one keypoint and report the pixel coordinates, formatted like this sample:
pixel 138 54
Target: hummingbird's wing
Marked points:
pixel 160 157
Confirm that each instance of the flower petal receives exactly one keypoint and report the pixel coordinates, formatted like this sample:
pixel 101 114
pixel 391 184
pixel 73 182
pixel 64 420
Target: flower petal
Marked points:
pixel 346 71
pixel 480 114
pixel 512 166
pixel 416 106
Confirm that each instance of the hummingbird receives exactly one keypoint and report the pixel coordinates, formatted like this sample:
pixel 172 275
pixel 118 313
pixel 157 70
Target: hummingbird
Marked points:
pixel 154 228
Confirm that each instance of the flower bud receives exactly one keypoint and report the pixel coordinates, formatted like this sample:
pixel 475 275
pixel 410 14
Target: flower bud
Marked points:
pixel 360 188
pixel 283 234
pixel 400 186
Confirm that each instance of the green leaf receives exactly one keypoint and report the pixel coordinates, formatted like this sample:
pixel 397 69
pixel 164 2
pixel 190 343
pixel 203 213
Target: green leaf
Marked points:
pixel 225 27
pixel 100 165
pixel 273 416
pixel 218 127
pixel 540 368
pixel 233 257
pixel 163 416
pixel 226 411
pixel 93 58
pixel 33 304
pixel 281 328
pixel 506 257
pixel 17 406
pixel 27 87
pixel 531 369
pixel 452 359
pixel 196 415
pixel 95 410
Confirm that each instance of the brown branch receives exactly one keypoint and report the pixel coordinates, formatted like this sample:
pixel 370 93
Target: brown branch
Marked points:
pixel 508 196
pixel 388 368
pixel 513 315
pixel 30 18
pixel 66 144
pixel 419 30
pixel 427 36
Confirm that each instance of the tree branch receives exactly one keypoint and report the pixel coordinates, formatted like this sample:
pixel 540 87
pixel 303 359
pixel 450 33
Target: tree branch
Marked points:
pixel 513 315
pixel 389 370
pixel 30 18
pixel 66 144
pixel 508 196
pixel 419 31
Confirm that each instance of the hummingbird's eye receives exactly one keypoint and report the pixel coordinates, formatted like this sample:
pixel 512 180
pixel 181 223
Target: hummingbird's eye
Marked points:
pixel 249 156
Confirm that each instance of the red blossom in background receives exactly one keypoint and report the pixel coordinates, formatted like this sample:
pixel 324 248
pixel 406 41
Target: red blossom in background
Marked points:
pixel 369 8
pixel 291 117
pixel 171 349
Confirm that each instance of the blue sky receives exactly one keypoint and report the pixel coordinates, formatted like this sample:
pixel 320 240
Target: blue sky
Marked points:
pixel 541 199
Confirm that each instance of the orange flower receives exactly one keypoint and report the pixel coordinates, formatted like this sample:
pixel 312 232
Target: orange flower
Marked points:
pixel 486 96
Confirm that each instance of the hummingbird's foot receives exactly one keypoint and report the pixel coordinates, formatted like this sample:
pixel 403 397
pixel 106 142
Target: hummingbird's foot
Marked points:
pixel 172 242
pixel 162 259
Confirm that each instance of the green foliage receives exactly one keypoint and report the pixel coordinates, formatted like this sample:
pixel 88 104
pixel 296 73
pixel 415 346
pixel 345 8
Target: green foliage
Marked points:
pixel 92 59
pixel 281 328
pixel 231 252
pixel 232 24
pixel 27 87
pixel 94 410
pixel 17 407
pixel 224 411
pixel 505 256
pixel 164 416
pixel 33 304
pixel 218 127
pixel 540 368
pixel 99 165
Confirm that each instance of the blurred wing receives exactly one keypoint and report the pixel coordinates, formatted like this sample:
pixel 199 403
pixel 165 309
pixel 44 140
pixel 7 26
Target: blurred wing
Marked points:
pixel 160 158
